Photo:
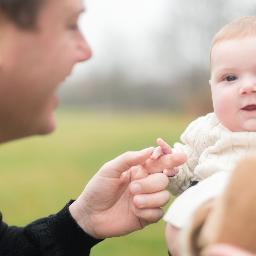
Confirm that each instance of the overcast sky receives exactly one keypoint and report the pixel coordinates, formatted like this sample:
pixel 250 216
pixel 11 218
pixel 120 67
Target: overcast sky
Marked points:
pixel 130 24
pixel 129 18
pixel 124 33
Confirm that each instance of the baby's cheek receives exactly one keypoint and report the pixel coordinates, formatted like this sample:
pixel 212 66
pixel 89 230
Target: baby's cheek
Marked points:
pixel 223 103
pixel 221 112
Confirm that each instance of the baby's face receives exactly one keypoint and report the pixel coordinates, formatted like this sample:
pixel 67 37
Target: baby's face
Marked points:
pixel 233 83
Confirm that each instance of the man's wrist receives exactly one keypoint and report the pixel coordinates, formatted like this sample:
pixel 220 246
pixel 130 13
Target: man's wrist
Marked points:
pixel 82 219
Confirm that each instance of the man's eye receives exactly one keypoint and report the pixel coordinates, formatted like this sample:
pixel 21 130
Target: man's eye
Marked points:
pixel 73 26
pixel 230 78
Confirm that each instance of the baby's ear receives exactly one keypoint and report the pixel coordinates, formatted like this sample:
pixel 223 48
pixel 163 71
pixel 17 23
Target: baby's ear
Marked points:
pixel 210 82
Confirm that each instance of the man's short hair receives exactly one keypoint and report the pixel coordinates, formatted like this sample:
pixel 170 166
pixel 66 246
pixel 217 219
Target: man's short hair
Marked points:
pixel 22 13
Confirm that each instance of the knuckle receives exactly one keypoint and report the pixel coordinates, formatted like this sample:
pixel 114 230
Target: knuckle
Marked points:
pixel 107 165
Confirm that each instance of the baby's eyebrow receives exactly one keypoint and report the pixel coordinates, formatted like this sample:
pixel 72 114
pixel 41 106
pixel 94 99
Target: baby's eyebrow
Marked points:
pixel 222 71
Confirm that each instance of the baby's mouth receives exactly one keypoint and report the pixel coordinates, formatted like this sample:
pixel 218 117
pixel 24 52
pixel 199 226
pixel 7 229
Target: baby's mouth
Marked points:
pixel 251 107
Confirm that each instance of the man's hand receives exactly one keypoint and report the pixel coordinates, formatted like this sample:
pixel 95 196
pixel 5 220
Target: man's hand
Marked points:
pixel 123 197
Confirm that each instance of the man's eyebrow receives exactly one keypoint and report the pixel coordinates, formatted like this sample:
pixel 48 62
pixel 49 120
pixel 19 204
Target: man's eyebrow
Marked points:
pixel 76 12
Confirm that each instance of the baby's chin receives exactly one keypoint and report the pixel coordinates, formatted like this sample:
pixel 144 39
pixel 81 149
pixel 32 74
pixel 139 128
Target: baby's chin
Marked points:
pixel 245 126
pixel 249 125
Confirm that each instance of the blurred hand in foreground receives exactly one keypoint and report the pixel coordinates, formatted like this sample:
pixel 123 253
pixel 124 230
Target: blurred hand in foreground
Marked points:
pixel 226 250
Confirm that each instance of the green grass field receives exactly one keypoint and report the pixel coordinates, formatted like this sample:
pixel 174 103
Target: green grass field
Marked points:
pixel 39 175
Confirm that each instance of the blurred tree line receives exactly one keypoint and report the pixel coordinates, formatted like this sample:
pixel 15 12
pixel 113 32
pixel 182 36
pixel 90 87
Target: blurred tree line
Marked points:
pixel 174 77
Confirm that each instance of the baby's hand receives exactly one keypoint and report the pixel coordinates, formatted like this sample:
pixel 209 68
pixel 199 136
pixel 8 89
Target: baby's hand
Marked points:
pixel 171 172
pixel 163 149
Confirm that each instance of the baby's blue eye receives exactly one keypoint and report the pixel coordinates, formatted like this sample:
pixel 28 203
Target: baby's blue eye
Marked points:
pixel 230 78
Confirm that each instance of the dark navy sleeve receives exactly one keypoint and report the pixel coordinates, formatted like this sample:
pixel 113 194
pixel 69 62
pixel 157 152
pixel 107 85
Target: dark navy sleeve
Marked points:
pixel 56 235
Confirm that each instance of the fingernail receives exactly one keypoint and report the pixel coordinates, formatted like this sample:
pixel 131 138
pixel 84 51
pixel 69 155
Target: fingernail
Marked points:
pixel 135 188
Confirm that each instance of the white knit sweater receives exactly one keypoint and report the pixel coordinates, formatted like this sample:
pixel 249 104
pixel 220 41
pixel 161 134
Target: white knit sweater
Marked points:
pixel 210 148
pixel 212 152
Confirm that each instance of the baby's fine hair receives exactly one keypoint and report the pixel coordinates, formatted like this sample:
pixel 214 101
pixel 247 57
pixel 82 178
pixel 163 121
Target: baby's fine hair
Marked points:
pixel 237 29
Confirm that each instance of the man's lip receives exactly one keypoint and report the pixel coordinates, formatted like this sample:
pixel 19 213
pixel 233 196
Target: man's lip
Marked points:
pixel 251 107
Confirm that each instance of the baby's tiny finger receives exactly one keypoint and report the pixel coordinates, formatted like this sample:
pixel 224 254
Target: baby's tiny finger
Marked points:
pixel 166 148
pixel 156 153
pixel 170 172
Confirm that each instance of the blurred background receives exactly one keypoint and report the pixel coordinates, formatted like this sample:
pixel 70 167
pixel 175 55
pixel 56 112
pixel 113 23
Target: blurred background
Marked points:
pixel 148 54
pixel 148 78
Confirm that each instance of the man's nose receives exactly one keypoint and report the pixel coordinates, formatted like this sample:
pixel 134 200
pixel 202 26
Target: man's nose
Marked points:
pixel 84 50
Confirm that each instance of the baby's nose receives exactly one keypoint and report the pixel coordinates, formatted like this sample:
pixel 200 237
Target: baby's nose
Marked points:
pixel 248 87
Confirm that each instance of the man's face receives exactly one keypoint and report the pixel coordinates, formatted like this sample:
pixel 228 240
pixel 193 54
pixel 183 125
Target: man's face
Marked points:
pixel 34 63
pixel 233 83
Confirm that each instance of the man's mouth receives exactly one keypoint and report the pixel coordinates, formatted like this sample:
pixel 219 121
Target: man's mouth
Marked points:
pixel 251 107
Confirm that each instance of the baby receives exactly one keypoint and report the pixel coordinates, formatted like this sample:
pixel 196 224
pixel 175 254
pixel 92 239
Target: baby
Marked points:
pixel 216 142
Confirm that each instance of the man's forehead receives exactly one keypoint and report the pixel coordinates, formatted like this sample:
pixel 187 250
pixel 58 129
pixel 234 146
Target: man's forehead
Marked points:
pixel 69 7
pixel 75 6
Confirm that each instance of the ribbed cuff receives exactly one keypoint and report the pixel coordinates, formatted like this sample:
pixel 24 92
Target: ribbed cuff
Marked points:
pixel 60 235
pixel 69 233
